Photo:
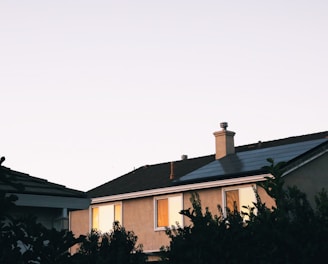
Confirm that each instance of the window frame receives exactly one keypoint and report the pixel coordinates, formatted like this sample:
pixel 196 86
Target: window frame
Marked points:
pixel 233 188
pixel 99 216
pixel 181 221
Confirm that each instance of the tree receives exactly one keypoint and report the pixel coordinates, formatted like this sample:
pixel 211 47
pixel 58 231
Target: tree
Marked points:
pixel 289 232
pixel 24 240
pixel 117 246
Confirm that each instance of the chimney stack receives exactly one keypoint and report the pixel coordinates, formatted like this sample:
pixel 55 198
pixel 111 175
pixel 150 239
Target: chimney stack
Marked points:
pixel 172 171
pixel 224 142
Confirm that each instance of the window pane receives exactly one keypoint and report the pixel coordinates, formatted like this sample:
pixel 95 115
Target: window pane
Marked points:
pixel 162 213
pixel 232 200
pixel 175 206
pixel 106 218
pixel 117 213
pixel 247 197
pixel 95 218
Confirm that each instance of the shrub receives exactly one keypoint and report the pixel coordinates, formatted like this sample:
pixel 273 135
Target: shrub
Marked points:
pixel 117 246
pixel 290 232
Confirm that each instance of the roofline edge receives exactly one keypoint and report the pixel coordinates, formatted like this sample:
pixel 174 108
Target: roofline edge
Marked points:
pixel 180 188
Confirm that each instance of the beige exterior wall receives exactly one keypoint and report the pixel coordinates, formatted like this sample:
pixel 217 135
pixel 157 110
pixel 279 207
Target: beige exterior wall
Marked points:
pixel 311 177
pixel 79 224
pixel 209 198
pixel 265 198
pixel 138 216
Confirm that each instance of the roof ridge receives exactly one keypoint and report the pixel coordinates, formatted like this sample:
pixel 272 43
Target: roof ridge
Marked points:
pixel 283 141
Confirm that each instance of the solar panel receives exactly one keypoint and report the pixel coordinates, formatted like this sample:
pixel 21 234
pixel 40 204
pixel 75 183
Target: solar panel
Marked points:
pixel 251 160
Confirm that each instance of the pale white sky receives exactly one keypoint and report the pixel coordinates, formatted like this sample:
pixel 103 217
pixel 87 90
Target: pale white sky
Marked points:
pixel 92 89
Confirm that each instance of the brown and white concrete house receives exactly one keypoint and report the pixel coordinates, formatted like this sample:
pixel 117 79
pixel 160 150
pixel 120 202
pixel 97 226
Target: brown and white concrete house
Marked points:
pixel 49 202
pixel 148 199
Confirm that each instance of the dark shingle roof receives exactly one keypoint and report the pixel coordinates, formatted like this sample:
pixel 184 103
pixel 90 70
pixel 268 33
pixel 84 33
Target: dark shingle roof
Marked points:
pixel 149 177
pixel 248 159
pixel 251 161
pixel 26 184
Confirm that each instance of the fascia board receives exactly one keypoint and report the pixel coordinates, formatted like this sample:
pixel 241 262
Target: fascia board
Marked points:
pixel 51 201
pixel 180 188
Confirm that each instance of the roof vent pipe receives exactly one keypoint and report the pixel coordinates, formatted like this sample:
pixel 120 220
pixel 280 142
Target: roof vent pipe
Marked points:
pixel 172 171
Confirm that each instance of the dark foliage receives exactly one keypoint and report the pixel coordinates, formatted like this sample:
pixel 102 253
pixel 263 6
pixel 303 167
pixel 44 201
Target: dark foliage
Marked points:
pixel 24 240
pixel 117 246
pixel 290 232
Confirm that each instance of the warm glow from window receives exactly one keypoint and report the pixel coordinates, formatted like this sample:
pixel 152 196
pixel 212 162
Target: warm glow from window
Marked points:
pixel 243 196
pixel 247 197
pixel 95 218
pixel 118 213
pixel 232 200
pixel 162 213
pixel 167 211
pixel 175 206
pixel 104 216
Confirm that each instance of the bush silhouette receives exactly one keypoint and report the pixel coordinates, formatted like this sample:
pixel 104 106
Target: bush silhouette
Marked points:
pixel 289 232
pixel 117 246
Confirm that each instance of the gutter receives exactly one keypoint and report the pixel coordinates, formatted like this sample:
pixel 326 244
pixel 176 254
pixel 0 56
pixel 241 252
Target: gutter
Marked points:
pixel 51 201
pixel 180 188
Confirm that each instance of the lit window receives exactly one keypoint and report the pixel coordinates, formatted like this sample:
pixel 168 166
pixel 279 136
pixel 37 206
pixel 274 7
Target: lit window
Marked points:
pixel 239 197
pixel 167 211
pixel 232 200
pixel 104 216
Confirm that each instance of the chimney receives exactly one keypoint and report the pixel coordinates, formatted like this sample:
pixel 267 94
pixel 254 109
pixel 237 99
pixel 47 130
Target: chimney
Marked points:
pixel 224 143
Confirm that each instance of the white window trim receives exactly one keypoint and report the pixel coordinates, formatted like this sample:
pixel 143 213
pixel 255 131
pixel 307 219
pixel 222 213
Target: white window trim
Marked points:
pixel 156 228
pixel 104 204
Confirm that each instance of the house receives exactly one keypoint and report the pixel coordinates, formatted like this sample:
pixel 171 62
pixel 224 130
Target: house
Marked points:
pixel 148 199
pixel 49 202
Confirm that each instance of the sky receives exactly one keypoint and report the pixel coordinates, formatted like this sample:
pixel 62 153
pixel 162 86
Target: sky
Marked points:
pixel 90 90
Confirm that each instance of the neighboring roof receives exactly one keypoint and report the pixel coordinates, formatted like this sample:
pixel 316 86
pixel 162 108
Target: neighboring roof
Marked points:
pixel 34 185
pixel 33 191
pixel 248 160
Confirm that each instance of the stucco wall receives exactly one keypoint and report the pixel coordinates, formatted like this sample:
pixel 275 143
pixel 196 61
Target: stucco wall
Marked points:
pixel 138 216
pixel 79 224
pixel 212 197
pixel 265 198
pixel 209 198
pixel 311 177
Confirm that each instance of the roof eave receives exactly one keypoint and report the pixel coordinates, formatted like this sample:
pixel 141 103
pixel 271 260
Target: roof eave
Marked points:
pixel 181 188
pixel 33 200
